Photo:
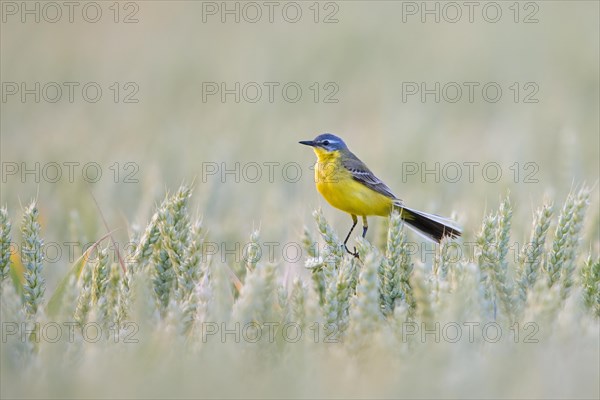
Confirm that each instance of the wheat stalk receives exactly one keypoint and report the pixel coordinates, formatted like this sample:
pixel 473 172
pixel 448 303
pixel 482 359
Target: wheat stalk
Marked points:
pixel 4 244
pixel 34 285
pixel 530 259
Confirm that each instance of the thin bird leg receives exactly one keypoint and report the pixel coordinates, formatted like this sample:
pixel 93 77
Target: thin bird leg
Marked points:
pixel 365 226
pixel 354 222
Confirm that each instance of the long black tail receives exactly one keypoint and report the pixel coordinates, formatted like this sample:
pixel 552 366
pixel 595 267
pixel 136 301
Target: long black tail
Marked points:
pixel 430 226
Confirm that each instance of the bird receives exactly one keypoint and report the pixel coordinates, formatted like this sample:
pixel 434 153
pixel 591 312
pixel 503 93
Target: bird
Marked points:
pixel 349 185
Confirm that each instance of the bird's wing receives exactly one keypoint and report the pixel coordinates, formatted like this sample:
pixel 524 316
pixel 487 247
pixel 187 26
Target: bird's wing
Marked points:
pixel 361 173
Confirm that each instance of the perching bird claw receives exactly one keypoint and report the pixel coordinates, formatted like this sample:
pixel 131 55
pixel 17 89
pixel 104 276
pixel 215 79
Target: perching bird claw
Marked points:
pixel 355 254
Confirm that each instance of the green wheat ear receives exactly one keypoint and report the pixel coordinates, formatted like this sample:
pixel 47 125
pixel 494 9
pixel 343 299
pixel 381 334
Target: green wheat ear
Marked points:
pixel 99 277
pixel 4 245
pixel 34 286
pixel 590 282
pixel 314 263
pixel 332 252
pixel 190 277
pixel 189 272
pixel 257 297
pixel 500 278
pixel 561 263
pixel 487 260
pixel 144 247
pixel 396 269
pixel 309 244
pixel 530 259
pixel 423 307
pixel 252 255
pixel 168 249
pixel 337 297
pixel 581 202
pixel 85 295
pixel 493 244
pixel 109 307
pixel 304 306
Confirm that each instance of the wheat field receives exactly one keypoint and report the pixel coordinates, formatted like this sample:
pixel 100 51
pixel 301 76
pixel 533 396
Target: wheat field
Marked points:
pixel 161 235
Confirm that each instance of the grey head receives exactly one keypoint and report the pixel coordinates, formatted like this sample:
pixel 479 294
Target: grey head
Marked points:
pixel 326 141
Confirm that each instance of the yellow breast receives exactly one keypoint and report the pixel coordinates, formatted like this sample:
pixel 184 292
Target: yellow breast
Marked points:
pixel 337 186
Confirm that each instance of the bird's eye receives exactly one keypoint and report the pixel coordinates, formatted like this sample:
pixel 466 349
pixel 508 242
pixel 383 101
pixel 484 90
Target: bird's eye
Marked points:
pixel 325 142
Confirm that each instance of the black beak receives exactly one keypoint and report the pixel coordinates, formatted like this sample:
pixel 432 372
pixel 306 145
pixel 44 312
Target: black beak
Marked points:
pixel 310 143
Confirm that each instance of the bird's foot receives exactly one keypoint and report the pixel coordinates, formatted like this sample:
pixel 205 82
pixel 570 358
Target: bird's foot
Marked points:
pixel 355 254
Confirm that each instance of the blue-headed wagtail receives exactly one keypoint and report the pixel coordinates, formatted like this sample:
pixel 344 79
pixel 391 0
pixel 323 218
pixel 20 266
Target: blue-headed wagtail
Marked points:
pixel 348 184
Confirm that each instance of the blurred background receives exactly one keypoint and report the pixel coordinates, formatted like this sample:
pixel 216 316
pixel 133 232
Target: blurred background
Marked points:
pixel 454 106
pixel 367 71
